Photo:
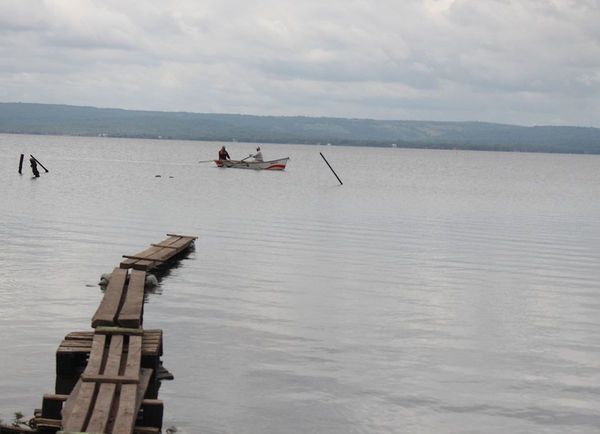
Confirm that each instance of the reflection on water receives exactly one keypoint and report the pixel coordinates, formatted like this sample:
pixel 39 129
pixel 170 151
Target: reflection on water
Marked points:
pixel 436 291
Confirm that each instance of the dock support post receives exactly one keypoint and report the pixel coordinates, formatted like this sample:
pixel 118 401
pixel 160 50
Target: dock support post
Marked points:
pixel 36 160
pixel 327 162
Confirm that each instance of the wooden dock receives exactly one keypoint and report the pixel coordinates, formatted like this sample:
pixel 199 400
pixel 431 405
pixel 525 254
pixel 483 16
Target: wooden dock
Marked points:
pixel 107 379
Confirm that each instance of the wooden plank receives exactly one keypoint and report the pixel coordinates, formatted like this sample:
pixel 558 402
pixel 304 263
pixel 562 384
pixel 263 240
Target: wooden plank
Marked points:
pixel 167 254
pixel 150 254
pixel 132 366
pixel 121 330
pixel 153 332
pixel 55 397
pixel 164 246
pixel 109 379
pixel 133 307
pixel 79 336
pixel 51 423
pixel 151 250
pixel 69 403
pixel 54 419
pixel 107 311
pixel 90 335
pixel 106 392
pixel 144 258
pixel 131 399
pixel 148 349
pixel 146 430
pixel 44 422
pixel 128 263
pixel 193 237
pixel 144 265
pixel 77 407
pixel 181 243
pixel 134 356
pixel 156 253
pixel 128 409
pixel 64 350
pixel 151 343
pixel 73 344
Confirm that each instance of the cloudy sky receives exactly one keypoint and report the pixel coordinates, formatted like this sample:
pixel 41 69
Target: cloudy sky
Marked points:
pixel 514 61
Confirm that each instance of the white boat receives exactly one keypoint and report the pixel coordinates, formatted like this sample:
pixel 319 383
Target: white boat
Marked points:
pixel 256 165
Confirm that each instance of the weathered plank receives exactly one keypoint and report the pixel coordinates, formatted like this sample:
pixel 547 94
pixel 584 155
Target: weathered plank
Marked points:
pixel 81 342
pixel 120 330
pixel 77 343
pixel 108 309
pixel 77 407
pixel 132 396
pixel 191 237
pixel 145 265
pixel 109 379
pixel 45 422
pixel 134 356
pixel 145 258
pixel 128 263
pixel 164 246
pixel 106 392
pixel 133 307
pixel 158 253
pixel 146 430
pixel 50 415
pixel 90 334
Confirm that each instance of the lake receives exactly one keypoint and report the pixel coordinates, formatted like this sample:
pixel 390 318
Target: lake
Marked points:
pixel 435 291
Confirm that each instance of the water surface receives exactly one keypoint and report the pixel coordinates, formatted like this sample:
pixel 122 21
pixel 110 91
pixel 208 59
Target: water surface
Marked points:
pixel 435 291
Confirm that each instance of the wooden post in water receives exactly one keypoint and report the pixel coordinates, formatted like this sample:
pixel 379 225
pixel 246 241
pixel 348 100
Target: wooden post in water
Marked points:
pixel 21 164
pixel 36 160
pixel 327 162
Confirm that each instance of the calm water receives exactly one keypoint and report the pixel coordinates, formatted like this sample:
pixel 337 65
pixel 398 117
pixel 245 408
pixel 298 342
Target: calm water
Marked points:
pixel 436 291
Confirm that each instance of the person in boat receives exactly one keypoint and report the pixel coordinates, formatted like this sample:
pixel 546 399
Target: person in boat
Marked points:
pixel 258 156
pixel 223 154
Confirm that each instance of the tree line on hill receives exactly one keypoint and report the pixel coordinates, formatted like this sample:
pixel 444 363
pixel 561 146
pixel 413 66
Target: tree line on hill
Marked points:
pixel 26 118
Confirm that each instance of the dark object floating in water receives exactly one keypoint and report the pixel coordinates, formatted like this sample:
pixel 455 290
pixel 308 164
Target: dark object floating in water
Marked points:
pixel 157 176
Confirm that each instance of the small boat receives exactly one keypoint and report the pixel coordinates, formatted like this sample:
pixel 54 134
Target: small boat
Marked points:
pixel 256 165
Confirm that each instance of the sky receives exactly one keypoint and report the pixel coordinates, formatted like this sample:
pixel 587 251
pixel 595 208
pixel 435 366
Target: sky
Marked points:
pixel 527 62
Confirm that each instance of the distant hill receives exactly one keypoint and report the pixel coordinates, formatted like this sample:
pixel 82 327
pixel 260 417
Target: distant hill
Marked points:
pixel 25 118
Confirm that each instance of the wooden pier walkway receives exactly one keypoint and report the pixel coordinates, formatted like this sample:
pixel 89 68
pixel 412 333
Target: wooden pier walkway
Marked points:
pixel 107 379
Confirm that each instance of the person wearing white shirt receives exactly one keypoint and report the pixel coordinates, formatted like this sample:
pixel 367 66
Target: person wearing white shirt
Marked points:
pixel 258 156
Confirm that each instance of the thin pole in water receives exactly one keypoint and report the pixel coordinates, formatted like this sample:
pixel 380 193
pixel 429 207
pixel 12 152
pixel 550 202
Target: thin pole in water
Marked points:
pixel 21 164
pixel 327 162
pixel 36 160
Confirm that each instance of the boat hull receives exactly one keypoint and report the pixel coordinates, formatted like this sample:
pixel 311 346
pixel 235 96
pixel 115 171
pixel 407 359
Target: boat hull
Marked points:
pixel 255 165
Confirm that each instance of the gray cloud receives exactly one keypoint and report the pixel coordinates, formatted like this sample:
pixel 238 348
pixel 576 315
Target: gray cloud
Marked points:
pixel 526 62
